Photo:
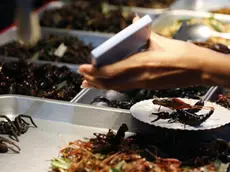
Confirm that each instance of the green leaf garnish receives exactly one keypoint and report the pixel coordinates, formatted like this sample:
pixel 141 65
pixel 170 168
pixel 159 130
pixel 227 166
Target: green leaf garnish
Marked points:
pixel 114 170
pixel 35 56
pixel 119 166
pixel 61 163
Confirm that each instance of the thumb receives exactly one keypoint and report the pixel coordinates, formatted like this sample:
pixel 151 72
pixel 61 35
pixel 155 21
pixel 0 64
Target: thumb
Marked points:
pixel 136 18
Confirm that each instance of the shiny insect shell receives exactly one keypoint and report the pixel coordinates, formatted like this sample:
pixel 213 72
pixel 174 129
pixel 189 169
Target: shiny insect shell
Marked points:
pixel 183 112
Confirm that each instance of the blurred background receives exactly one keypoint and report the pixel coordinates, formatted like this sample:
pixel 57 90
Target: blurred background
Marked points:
pixel 7 11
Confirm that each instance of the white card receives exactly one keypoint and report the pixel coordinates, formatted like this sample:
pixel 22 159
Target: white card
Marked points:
pixel 123 44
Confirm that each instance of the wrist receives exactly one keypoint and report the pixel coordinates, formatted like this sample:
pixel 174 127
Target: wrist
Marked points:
pixel 214 67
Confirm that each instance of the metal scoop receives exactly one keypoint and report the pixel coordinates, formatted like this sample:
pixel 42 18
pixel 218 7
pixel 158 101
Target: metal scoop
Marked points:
pixel 28 28
pixel 198 32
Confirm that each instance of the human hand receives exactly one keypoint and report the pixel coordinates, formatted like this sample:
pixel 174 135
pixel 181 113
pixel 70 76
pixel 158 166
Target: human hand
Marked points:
pixel 166 64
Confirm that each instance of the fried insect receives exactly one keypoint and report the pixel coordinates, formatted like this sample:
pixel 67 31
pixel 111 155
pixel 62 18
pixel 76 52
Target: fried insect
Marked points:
pixel 45 80
pixel 138 152
pixel 183 112
pixel 224 100
pixel 77 52
pixel 219 47
pixel 4 146
pixel 16 127
pixel 218 149
pixel 133 96
pixel 123 104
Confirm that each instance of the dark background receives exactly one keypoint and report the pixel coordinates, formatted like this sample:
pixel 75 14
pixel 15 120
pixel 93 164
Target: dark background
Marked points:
pixel 7 11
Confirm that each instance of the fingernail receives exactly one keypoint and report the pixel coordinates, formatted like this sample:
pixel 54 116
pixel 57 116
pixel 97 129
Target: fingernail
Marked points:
pixel 78 72
pixel 136 14
pixel 82 87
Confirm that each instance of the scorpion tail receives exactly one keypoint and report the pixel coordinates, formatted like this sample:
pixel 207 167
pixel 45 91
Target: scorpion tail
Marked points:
pixel 196 120
pixel 207 115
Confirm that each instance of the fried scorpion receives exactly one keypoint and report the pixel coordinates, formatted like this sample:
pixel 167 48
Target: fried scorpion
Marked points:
pixel 183 112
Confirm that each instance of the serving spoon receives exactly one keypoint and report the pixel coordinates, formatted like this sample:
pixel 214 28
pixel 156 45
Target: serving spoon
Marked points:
pixel 198 32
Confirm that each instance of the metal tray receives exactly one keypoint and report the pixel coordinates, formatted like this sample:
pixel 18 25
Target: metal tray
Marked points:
pixel 87 95
pixel 169 17
pixel 153 13
pixel 200 5
pixel 95 39
pixel 58 123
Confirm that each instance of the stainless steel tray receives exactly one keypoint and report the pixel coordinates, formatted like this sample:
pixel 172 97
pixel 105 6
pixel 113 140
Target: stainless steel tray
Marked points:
pixel 200 5
pixel 153 13
pixel 58 123
pixel 169 17
pixel 87 95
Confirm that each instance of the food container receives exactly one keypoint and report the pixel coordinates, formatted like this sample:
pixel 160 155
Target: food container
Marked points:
pixel 141 12
pixel 200 5
pixel 88 96
pixel 39 79
pixel 176 16
pixel 58 123
pixel 61 122
pixel 88 38
pixel 149 5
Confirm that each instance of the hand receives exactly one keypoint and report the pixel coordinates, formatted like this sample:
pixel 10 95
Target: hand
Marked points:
pixel 166 64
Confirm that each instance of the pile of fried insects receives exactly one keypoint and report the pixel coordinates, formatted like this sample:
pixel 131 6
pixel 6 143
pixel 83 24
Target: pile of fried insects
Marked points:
pixel 113 152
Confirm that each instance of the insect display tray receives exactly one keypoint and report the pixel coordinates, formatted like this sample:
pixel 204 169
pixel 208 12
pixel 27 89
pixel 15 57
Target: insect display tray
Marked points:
pixel 143 111
pixel 86 96
pixel 200 5
pixel 106 24
pixel 170 17
pixel 58 123
pixel 82 43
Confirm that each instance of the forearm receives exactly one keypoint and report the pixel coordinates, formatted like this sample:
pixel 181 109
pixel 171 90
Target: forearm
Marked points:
pixel 215 68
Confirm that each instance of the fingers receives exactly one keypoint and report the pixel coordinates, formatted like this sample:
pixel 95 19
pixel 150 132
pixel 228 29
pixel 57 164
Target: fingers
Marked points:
pixel 165 80
pixel 122 87
pixel 136 18
pixel 86 84
pixel 116 69
pixel 86 69
pixel 129 80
